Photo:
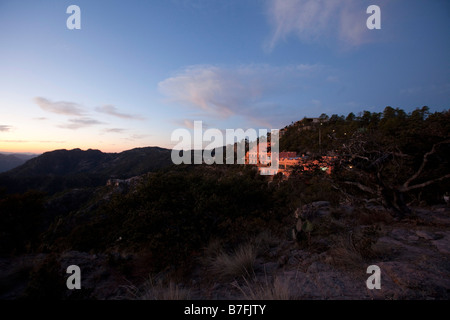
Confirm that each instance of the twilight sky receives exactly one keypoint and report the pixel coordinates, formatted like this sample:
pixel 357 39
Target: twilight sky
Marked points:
pixel 138 70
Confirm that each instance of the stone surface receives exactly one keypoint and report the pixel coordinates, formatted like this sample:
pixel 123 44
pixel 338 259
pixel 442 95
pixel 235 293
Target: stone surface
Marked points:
pixel 443 245
pixel 427 235
pixel 403 234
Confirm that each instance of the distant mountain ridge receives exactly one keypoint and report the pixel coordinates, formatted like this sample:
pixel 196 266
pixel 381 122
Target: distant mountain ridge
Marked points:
pixel 61 169
pixel 12 160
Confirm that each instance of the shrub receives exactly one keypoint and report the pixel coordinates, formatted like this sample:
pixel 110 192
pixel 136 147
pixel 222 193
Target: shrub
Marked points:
pixel 239 263
pixel 276 289
pixel 344 254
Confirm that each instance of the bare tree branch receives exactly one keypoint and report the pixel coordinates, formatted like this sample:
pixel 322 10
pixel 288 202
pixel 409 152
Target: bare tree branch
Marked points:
pixel 422 166
pixel 380 161
pixel 361 186
pixel 400 154
pixel 421 185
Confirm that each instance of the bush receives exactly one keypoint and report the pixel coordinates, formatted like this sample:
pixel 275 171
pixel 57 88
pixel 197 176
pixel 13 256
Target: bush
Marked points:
pixel 238 263
pixel 172 214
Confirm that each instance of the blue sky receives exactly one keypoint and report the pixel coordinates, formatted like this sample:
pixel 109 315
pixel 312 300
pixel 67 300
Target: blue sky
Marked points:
pixel 138 70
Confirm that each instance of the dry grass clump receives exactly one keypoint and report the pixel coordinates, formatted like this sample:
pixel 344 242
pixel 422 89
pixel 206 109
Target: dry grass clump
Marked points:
pixel 158 289
pixel 354 248
pixel 276 289
pixel 170 291
pixel 344 254
pixel 236 264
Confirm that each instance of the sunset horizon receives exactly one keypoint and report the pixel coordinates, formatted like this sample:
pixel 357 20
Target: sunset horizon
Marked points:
pixel 224 154
pixel 131 77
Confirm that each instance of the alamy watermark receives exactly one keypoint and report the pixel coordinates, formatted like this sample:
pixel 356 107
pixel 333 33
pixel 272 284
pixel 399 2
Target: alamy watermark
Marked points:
pixel 374 21
pixel 74 20
pixel 191 148
pixel 73 281
pixel 374 281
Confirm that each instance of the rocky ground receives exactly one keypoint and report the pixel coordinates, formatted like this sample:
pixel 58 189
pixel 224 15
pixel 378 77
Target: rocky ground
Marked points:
pixel 413 255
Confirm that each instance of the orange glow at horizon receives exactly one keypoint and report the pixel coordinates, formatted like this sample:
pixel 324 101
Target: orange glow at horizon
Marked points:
pixel 39 148
pixel 106 145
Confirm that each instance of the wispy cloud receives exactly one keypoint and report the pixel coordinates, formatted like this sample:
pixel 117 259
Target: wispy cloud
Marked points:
pixel 79 116
pixel 136 137
pixel 245 91
pixel 78 123
pixel 115 130
pixel 33 141
pixel 333 79
pixel 189 124
pixel 60 107
pixel 317 20
pixel 15 141
pixel 4 128
pixel 52 141
pixel 436 89
pixel 112 111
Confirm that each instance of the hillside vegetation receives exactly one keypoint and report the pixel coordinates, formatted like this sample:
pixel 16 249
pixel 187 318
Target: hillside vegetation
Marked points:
pixel 60 170
pixel 224 231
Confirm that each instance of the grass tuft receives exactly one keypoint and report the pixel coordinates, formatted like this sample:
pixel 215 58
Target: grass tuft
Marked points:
pixel 276 289
pixel 237 264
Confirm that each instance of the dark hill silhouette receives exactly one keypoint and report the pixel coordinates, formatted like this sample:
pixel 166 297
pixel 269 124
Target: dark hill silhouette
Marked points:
pixel 62 169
